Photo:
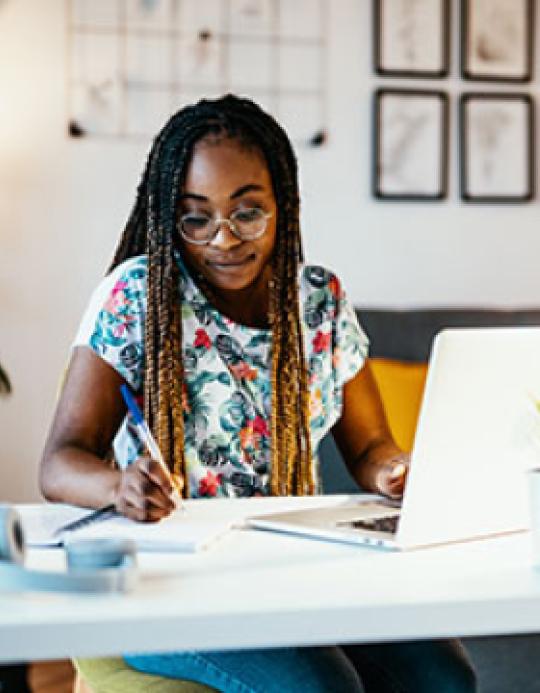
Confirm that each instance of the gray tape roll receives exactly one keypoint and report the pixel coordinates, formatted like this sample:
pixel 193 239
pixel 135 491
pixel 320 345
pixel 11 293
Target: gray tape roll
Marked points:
pixel 12 545
pixel 94 565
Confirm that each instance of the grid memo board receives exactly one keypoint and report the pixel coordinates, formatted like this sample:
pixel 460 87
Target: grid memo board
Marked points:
pixel 132 63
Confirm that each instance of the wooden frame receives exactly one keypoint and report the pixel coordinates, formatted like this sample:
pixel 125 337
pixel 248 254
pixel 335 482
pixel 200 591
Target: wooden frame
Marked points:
pixel 497 40
pixel 411 40
pixel 410 158
pixel 497 147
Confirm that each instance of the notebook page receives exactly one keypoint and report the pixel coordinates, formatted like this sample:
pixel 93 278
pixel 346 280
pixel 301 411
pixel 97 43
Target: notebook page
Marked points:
pixel 178 532
pixel 41 520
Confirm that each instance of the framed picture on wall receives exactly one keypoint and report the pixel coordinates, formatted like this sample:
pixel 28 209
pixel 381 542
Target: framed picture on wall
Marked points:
pixel 411 39
pixel 497 38
pixel 497 145
pixel 410 160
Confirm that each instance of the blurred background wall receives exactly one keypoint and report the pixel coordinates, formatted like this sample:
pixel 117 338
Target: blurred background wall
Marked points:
pixel 63 203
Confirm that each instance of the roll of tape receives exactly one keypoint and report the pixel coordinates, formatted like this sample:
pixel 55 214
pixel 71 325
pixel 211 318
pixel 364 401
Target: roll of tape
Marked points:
pixel 92 554
pixel 94 565
pixel 12 545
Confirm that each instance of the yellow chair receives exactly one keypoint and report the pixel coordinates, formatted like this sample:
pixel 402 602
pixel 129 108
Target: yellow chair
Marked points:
pixel 113 675
pixel 401 385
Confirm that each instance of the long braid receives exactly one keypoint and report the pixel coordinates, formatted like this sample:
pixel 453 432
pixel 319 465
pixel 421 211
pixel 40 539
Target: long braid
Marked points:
pixel 292 386
pixel 293 471
pixel 151 229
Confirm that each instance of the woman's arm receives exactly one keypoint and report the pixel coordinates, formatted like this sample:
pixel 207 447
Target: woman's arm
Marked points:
pixel 364 438
pixel 75 467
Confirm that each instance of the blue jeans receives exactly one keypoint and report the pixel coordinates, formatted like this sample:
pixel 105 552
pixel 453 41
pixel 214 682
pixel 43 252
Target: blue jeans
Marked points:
pixel 436 666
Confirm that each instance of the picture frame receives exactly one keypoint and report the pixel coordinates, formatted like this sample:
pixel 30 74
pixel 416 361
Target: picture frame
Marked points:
pixel 497 40
pixel 411 40
pixel 410 157
pixel 497 147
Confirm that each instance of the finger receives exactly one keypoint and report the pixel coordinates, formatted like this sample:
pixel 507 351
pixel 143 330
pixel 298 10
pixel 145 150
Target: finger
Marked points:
pixel 154 471
pixel 152 514
pixel 143 486
pixel 148 493
pixel 149 469
pixel 395 486
pixel 398 472
pixel 140 509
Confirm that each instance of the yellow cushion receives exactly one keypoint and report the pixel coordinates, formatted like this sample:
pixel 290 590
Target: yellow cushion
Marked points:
pixel 401 385
pixel 113 675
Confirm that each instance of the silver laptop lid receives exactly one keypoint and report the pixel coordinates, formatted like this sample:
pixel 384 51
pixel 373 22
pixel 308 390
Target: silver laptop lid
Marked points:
pixel 478 431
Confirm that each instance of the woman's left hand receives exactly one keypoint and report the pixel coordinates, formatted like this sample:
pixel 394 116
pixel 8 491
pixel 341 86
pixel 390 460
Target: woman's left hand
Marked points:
pixel 364 438
pixel 391 476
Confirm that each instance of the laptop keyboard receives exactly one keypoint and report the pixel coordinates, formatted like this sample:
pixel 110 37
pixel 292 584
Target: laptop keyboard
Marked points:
pixel 374 524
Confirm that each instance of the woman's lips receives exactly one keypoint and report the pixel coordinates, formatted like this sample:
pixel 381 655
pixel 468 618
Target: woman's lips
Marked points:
pixel 230 264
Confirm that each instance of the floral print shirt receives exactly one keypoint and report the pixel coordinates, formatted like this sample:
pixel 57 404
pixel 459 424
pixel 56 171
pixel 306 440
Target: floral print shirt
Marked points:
pixel 227 372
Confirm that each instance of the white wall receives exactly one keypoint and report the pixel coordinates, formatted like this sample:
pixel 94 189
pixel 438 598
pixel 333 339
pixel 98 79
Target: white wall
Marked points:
pixel 63 203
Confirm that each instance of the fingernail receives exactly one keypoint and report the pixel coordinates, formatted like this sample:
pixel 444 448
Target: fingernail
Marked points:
pixel 399 470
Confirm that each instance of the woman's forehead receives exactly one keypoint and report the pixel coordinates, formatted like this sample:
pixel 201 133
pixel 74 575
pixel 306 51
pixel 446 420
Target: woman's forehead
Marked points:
pixel 221 165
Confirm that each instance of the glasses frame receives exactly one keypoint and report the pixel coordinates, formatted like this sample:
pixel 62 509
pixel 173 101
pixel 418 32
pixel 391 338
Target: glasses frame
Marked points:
pixel 217 225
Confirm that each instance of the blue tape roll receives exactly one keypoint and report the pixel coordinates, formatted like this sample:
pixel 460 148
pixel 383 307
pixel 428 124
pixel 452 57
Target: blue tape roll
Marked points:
pixel 94 565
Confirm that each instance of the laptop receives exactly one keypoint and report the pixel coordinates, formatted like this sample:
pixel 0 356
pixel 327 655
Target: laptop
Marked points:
pixel 478 432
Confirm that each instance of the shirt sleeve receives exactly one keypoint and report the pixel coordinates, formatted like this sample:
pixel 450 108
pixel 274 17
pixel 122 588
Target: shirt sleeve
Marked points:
pixel 113 323
pixel 350 343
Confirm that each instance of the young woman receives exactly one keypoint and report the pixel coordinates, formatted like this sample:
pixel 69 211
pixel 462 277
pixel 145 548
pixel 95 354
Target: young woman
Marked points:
pixel 244 359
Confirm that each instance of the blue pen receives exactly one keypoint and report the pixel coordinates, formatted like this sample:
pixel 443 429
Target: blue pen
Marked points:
pixel 145 434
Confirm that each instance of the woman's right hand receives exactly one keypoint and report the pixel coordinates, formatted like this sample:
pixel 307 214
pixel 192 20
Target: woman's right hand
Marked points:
pixel 145 491
pixel 76 466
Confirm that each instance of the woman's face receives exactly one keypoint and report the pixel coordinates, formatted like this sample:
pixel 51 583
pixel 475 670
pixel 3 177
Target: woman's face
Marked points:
pixel 225 178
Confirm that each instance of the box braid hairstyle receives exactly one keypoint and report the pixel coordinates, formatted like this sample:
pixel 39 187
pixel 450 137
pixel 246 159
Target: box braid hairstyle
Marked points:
pixel 152 230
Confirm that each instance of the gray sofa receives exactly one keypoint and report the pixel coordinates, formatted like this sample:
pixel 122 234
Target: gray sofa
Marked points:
pixel 509 664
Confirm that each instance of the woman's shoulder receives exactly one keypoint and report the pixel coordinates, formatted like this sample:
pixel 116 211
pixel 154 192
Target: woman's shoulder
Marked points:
pixel 316 278
pixel 126 280
pixel 133 269
pixel 320 294
pixel 118 298
pixel 128 275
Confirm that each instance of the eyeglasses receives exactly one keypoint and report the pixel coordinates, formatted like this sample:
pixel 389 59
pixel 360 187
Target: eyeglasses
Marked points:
pixel 247 224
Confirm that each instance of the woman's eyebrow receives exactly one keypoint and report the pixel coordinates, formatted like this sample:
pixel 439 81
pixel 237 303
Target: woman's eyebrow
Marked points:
pixel 250 187
pixel 193 196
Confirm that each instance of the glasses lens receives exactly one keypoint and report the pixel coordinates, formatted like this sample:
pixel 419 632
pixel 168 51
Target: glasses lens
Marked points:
pixel 197 227
pixel 249 223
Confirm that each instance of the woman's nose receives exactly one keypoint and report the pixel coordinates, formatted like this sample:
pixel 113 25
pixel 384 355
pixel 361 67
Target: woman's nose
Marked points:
pixel 225 237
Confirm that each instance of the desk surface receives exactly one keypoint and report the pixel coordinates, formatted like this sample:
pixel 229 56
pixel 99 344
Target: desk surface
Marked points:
pixel 256 589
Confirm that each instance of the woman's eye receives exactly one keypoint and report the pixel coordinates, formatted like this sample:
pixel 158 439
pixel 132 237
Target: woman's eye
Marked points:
pixel 247 215
pixel 195 220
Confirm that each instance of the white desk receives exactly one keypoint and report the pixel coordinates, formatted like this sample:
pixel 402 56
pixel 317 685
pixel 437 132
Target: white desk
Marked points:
pixel 255 589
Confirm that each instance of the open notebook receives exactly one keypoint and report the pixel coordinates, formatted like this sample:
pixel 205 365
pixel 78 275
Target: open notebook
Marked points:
pixel 177 533
pixel 197 527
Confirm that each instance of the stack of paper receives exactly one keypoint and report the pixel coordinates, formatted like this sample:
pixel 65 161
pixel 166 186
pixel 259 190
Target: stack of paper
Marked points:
pixel 181 531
